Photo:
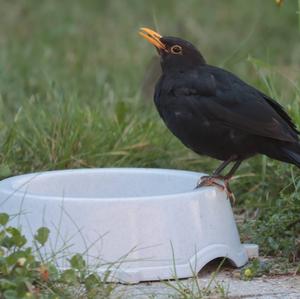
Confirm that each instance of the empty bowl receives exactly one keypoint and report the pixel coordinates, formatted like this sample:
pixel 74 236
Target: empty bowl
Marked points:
pixel 140 224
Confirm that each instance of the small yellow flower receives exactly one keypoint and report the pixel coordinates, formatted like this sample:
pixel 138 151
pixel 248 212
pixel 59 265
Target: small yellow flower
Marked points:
pixel 21 261
pixel 248 273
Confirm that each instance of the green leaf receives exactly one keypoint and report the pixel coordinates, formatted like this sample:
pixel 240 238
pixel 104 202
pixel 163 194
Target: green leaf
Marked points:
pixel 77 262
pixel 3 218
pixel 7 284
pixel 11 294
pixel 42 235
pixel 53 272
pixel 17 238
pixel 92 281
pixel 13 258
pixel 4 268
pixel 69 276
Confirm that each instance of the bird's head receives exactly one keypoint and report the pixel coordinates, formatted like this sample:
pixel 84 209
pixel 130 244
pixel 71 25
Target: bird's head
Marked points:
pixel 175 53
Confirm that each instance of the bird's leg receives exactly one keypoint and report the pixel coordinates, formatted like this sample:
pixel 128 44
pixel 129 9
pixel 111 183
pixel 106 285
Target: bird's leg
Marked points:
pixel 234 168
pixel 217 173
pixel 213 179
pixel 227 178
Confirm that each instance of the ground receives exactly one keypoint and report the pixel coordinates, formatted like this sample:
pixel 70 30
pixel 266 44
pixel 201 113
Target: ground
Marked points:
pixel 287 287
pixel 226 284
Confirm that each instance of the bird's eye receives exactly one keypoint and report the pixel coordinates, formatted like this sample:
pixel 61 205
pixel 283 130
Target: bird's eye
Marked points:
pixel 176 49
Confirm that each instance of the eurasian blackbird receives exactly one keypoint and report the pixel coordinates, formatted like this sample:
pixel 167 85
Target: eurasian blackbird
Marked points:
pixel 214 113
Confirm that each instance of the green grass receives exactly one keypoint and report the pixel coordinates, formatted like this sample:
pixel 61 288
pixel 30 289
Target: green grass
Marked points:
pixel 75 91
pixel 26 273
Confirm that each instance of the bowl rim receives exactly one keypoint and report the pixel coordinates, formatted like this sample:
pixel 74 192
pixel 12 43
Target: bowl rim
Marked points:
pixel 6 185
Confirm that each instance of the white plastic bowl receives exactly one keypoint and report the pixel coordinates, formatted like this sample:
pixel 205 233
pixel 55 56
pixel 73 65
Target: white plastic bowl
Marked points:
pixel 148 222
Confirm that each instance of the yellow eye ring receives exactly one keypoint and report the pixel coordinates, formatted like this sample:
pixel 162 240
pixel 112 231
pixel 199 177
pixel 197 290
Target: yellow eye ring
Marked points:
pixel 176 49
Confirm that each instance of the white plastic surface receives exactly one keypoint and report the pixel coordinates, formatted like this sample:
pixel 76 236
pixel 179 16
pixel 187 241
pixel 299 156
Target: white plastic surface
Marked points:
pixel 150 223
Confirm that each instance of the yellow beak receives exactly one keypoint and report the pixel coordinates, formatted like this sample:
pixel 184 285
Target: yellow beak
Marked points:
pixel 152 37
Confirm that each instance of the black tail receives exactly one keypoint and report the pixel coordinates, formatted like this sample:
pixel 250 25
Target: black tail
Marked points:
pixel 283 151
pixel 292 153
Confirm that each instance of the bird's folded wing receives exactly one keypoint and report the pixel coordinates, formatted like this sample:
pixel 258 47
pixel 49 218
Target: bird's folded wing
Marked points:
pixel 252 116
pixel 235 104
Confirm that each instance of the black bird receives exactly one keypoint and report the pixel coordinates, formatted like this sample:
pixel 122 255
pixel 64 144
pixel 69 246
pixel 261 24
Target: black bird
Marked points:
pixel 214 113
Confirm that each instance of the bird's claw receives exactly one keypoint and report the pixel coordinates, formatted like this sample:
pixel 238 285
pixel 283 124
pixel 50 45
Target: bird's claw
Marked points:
pixel 215 181
pixel 210 181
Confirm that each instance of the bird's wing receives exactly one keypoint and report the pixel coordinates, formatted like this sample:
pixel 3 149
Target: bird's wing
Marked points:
pixel 280 110
pixel 233 103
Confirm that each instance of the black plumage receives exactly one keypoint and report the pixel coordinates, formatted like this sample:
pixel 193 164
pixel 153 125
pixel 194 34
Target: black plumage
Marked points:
pixel 214 113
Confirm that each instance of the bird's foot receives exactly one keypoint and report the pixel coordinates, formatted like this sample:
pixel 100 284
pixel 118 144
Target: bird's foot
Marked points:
pixel 214 180
pixel 211 180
